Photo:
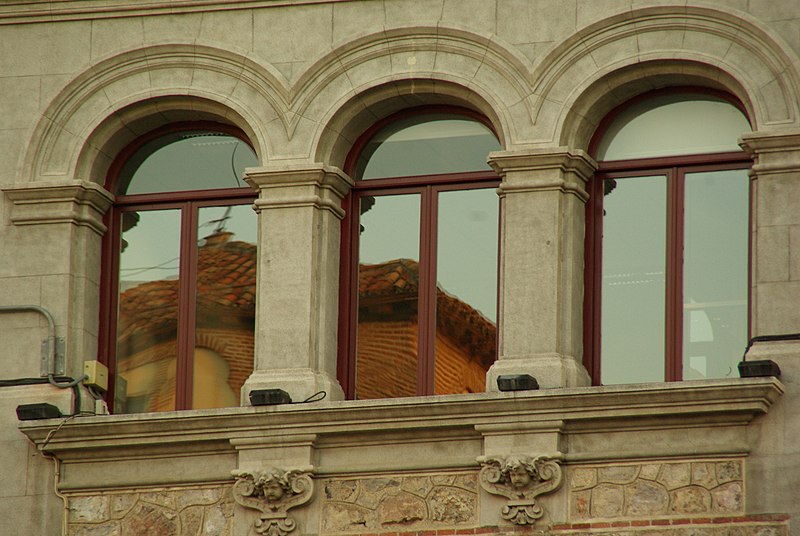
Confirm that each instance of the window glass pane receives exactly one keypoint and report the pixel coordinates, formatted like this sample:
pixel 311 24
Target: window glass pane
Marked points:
pixel 425 145
pixel 633 288
pixel 673 125
pixel 189 160
pixel 715 273
pixel 386 360
pixel 148 311
pixel 225 310
pixel 466 302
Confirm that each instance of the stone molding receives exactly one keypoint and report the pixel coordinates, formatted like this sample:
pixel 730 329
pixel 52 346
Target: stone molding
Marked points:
pixel 182 441
pixel 532 170
pixel 775 152
pixel 520 479
pixel 273 492
pixel 77 202
pixel 321 187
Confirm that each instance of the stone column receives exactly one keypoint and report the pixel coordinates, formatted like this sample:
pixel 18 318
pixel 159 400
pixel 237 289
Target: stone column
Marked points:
pixel 56 242
pixel 299 212
pixel 541 269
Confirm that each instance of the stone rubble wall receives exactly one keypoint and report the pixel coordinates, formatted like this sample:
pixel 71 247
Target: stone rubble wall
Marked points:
pixel 713 487
pixel 197 511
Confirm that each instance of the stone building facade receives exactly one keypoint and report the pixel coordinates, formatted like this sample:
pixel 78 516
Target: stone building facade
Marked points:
pixel 302 80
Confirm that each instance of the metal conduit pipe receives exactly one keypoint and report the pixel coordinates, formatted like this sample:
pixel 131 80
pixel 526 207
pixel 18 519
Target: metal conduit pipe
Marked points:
pixel 51 338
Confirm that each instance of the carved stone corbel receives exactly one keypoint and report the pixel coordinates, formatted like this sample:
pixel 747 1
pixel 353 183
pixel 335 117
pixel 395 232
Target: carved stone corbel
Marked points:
pixel 520 479
pixel 273 492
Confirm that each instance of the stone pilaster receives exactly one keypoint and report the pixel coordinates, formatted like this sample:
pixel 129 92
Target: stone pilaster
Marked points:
pixel 541 269
pixel 299 212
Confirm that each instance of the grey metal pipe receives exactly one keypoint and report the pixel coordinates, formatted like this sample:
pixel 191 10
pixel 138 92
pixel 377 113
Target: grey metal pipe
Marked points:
pixel 51 358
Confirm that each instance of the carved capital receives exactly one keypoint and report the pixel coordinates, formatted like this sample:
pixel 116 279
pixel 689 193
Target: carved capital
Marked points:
pixel 520 479
pixel 273 492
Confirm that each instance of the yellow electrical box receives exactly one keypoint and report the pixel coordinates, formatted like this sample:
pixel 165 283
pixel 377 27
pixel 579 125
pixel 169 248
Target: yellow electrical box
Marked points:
pixel 97 374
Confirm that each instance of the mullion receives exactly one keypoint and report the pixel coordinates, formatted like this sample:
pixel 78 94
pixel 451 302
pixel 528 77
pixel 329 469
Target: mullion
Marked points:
pixel 673 336
pixel 186 307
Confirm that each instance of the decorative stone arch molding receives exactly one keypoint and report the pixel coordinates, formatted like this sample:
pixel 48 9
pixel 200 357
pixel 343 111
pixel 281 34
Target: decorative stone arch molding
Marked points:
pixel 123 96
pixel 612 60
pixel 376 75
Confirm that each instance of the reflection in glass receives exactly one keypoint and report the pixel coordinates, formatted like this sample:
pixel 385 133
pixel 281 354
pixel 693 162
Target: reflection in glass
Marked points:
pixel 147 319
pixel 672 125
pixel 633 288
pixel 388 296
pixel 186 160
pixel 466 302
pixel 715 273
pixel 425 145
pixel 225 306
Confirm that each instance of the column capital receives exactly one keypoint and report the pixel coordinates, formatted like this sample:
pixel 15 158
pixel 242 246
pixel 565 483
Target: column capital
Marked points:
pixel 285 186
pixel 775 152
pixel 80 203
pixel 545 169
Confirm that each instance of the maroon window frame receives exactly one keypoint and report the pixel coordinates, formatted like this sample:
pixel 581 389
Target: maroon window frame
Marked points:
pixel 674 168
pixel 428 187
pixel 189 202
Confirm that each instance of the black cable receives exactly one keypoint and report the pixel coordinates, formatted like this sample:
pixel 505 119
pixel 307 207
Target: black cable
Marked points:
pixel 312 399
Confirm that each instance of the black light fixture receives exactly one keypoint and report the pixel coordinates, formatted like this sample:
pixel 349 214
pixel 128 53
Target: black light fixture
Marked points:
pixel 517 382
pixel 35 412
pixel 760 368
pixel 269 397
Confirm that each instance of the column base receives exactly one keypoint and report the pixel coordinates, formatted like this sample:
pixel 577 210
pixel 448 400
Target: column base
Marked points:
pixel 300 383
pixel 550 370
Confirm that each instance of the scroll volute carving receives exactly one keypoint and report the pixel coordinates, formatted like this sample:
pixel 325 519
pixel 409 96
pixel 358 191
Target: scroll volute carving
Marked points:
pixel 520 479
pixel 273 492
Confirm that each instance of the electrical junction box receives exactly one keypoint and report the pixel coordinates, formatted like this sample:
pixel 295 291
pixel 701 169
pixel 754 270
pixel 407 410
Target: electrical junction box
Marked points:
pixel 98 375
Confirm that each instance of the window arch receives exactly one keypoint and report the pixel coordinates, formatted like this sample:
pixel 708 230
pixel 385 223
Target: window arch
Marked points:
pixel 179 275
pixel 667 242
pixel 419 269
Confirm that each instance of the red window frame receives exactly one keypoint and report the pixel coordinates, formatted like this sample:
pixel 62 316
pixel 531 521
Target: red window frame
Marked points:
pixel 188 202
pixel 428 187
pixel 674 168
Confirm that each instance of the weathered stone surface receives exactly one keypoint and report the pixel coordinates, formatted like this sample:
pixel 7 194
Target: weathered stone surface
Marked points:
pixel 216 521
pixel 703 474
pixel 418 485
pixel 583 477
pixel 579 505
pixel 106 529
pixel 122 503
pixel 729 471
pixel 649 471
pixel 675 475
pixel 468 482
pixel 452 505
pixel 341 490
pixel 728 498
pixel 608 500
pixel 373 489
pixel 401 509
pixel 197 496
pixel 621 474
pixel 192 519
pixel 151 520
pixel 443 480
pixel 690 500
pixel 645 498
pixel 161 498
pixel 92 509
pixel 344 517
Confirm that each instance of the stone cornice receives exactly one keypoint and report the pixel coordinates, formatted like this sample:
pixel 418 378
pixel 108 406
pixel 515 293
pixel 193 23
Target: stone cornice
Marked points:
pixel 319 186
pixel 70 10
pixel 77 202
pixel 718 403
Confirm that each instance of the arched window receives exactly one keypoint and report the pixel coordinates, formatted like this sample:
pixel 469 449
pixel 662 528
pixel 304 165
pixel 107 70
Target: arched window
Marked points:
pixel 179 295
pixel 419 272
pixel 667 241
